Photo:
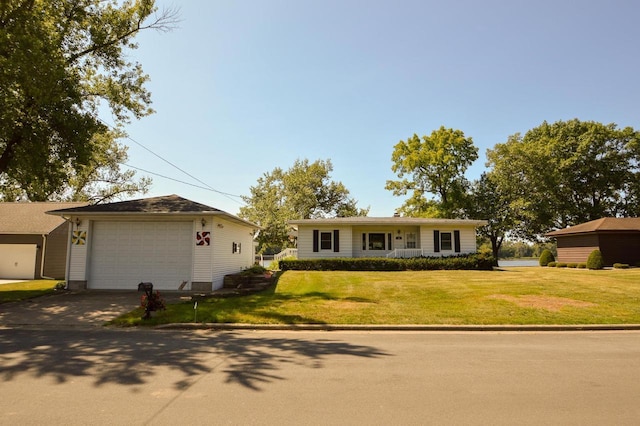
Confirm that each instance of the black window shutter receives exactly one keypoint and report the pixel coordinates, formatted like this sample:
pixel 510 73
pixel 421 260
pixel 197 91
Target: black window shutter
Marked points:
pixel 389 242
pixel 456 241
pixel 436 241
pixel 336 240
pixel 316 239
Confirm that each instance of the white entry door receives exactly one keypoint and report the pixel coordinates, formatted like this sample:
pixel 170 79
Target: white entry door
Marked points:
pixel 124 254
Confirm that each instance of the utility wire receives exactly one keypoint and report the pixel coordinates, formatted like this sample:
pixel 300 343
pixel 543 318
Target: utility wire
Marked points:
pixel 206 185
pixel 229 196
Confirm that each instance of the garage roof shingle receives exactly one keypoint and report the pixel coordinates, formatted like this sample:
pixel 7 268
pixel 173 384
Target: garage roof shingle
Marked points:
pixel 165 204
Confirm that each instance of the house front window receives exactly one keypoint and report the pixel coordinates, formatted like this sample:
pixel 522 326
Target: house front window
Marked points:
pixel 325 241
pixel 445 241
pixel 376 241
pixel 411 241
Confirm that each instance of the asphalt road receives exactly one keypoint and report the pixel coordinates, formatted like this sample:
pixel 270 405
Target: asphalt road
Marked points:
pixel 135 377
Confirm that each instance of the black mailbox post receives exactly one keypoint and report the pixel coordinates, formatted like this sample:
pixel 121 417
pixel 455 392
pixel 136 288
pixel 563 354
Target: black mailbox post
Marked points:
pixel 151 301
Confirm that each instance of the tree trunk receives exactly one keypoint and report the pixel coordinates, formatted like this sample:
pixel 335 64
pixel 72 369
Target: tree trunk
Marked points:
pixel 7 154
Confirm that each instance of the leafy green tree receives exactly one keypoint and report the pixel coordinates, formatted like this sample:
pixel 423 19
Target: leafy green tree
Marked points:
pixel 630 205
pixel 433 165
pixel 99 181
pixel 488 202
pixel 304 191
pixel 562 174
pixel 60 63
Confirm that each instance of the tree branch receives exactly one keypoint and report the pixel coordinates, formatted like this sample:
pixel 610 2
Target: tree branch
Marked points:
pixel 164 22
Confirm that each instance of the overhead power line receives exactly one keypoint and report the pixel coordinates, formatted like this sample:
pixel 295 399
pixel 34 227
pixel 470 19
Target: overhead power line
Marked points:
pixel 183 182
pixel 205 186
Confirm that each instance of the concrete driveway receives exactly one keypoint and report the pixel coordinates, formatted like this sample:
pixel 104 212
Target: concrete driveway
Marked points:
pixel 73 309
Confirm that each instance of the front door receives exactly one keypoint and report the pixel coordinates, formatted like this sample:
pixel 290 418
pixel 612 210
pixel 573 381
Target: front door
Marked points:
pixel 410 240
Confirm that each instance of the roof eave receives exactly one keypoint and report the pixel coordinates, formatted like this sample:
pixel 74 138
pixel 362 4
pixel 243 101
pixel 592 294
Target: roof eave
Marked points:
pixel 228 216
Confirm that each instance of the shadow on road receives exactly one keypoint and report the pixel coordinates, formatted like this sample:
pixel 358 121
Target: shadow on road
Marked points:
pixel 134 357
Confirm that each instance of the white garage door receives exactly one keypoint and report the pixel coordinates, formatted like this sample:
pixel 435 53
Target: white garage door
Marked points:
pixel 18 261
pixel 124 254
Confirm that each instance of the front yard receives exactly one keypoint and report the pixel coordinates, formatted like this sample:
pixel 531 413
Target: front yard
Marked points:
pixel 529 295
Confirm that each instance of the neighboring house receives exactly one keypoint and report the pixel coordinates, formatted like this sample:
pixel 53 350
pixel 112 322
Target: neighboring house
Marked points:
pixel 618 239
pixel 170 241
pixel 385 237
pixel 33 244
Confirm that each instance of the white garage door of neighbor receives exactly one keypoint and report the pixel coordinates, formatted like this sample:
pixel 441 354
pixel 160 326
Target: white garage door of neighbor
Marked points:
pixel 18 261
pixel 124 254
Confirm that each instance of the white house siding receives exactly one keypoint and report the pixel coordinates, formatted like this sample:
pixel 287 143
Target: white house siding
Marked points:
pixel 124 253
pixel 224 235
pixel 77 275
pixel 305 242
pixel 202 257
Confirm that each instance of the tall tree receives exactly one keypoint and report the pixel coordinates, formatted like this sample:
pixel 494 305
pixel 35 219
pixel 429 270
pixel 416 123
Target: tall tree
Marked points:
pixel 60 62
pixel 433 165
pixel 304 191
pixel 564 173
pixel 488 202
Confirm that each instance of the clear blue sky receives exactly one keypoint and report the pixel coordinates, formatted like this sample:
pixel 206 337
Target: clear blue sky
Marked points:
pixel 242 87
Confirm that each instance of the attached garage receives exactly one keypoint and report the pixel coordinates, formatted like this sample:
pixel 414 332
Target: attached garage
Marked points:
pixel 124 254
pixel 172 242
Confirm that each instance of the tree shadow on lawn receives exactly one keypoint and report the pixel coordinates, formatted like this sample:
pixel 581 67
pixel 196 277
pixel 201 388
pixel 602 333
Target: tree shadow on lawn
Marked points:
pixel 136 357
pixel 267 304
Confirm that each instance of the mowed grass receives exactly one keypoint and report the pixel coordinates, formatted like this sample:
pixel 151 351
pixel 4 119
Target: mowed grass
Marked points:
pixel 530 295
pixel 13 292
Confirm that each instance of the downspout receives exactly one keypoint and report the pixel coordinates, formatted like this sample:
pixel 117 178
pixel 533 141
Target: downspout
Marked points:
pixel 67 267
pixel 44 250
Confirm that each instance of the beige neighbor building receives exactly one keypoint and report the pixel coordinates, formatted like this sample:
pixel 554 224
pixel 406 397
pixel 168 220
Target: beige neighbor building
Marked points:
pixel 33 245
pixel 400 237
pixel 170 241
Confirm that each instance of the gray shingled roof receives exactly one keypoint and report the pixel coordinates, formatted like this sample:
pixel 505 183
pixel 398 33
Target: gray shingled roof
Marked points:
pixel 31 218
pixel 164 205
pixel 606 224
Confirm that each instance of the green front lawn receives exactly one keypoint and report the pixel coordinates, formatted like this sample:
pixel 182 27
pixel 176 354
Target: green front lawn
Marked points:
pixel 529 295
pixel 26 290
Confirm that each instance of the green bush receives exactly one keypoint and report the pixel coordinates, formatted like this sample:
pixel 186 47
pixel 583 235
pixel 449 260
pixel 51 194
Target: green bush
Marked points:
pixel 572 265
pixel 552 264
pixel 254 270
pixel 595 260
pixel 561 264
pixel 582 265
pixel 621 266
pixel 545 257
pixel 479 261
